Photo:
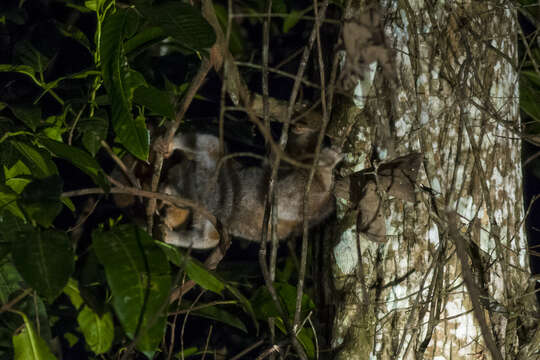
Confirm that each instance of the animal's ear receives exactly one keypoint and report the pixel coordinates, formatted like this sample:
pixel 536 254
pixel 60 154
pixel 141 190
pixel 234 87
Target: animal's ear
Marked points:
pixel 397 178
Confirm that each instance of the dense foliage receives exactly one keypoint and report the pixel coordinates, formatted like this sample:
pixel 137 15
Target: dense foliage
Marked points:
pixel 82 82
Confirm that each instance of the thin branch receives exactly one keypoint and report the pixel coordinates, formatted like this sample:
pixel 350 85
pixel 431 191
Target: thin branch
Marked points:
pixel 162 148
pixel 127 172
pixel 247 350
pixel 280 15
pixel 8 306
pixel 279 72
pixel 175 200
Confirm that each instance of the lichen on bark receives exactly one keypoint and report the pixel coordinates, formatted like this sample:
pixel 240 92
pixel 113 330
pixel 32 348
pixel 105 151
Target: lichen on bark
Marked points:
pixel 455 101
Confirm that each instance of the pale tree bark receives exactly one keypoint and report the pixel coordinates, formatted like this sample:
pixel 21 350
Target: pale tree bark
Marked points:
pixel 452 280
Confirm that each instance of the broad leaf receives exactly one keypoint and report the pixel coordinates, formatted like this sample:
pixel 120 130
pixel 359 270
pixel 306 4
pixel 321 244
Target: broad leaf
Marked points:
pixel 139 277
pixel 156 100
pixel 41 199
pixel 28 114
pixel 236 41
pixel 77 157
pixel 10 281
pixel 98 330
pixel 38 161
pixel 194 269
pixel 133 135
pixel 28 345
pixel 529 103
pixel 248 308
pixel 74 33
pixel 9 226
pixel 216 313
pixel 94 130
pixel 264 305
pixel 144 38
pixel 8 201
pixel 532 76
pixel 27 54
pixel 45 260
pixel 181 21
pixel 22 69
pixel 72 291
pixel 203 277
pixel 11 286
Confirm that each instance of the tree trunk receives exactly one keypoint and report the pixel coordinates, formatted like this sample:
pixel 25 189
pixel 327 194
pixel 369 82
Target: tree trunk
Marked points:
pixel 452 279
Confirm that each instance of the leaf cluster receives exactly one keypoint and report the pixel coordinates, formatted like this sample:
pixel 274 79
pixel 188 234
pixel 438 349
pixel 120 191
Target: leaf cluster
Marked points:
pixel 82 81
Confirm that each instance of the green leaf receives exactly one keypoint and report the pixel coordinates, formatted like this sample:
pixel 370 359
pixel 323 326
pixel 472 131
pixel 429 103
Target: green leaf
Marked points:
pixel 11 286
pixel 307 342
pixel 181 21
pixel 22 69
pixel 18 183
pixel 41 199
pixel 187 352
pixel 92 5
pixel 94 130
pixel 246 304
pixel 133 80
pixel 28 345
pixel 139 277
pixel 9 226
pixel 143 39
pixel 8 201
pixel 10 281
pixel 132 22
pixel 156 100
pixel 69 204
pixel 77 157
pixel 98 330
pixel 74 33
pixel 133 135
pixel 533 76
pixel 528 99
pixel 264 305
pixel 291 20
pixel 279 6
pixel 9 156
pixel 173 254
pixel 203 277
pixel 29 115
pixel 72 291
pixel 71 338
pixel 38 161
pixel 236 41
pixel 17 16
pixel 215 313
pixel 44 259
pixel 194 269
pixel 26 54
pixel 83 74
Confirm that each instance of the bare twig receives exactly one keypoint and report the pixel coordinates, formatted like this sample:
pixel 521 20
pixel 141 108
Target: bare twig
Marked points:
pixel 247 350
pixel 160 150
pixel 9 305
pixel 175 200
pixel 127 172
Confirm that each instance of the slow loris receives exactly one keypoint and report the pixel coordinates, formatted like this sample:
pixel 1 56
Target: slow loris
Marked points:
pixel 236 194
